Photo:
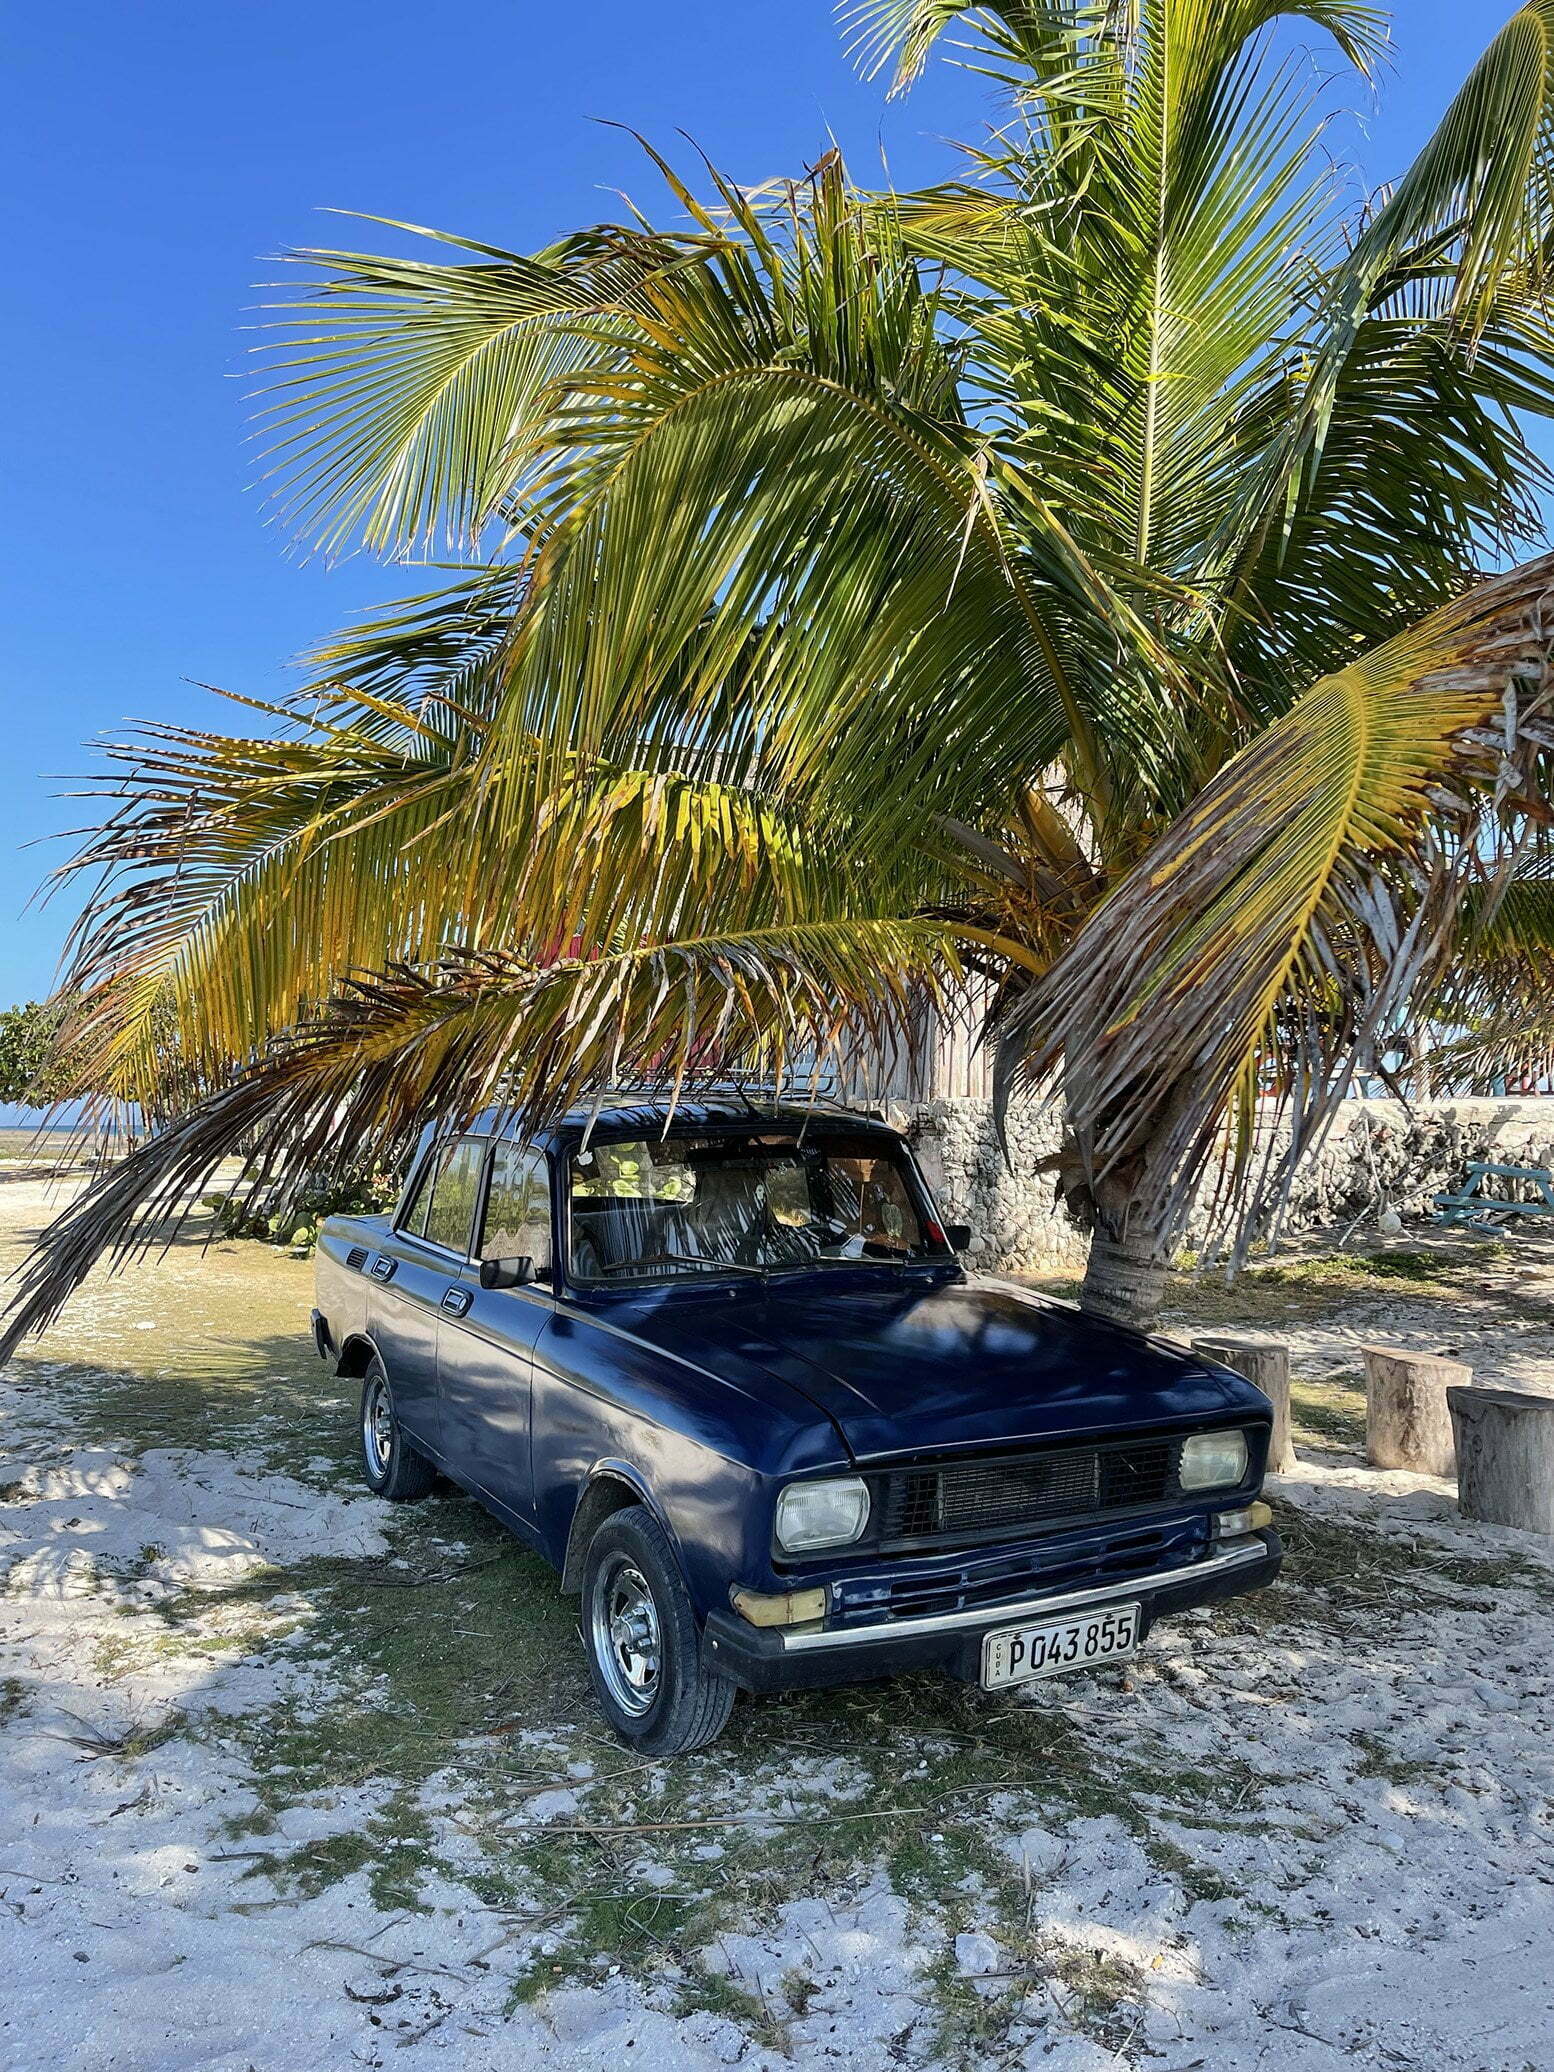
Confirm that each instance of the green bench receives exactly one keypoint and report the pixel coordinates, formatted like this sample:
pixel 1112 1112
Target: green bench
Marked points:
pixel 1474 1210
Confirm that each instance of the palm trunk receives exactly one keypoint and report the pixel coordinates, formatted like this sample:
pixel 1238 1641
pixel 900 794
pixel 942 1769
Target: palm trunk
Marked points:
pixel 1125 1278
pixel 1126 1211
pixel 1125 1275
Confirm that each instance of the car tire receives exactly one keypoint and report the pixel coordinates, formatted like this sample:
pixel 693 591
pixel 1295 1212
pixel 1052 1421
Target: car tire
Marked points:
pixel 642 1641
pixel 391 1465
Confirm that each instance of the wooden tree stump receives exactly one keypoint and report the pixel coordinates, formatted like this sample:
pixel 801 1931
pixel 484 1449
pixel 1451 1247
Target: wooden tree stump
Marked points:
pixel 1407 1418
pixel 1266 1364
pixel 1505 1456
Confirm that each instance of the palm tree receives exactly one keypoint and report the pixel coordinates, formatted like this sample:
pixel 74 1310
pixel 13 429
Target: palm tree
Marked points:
pixel 1074 575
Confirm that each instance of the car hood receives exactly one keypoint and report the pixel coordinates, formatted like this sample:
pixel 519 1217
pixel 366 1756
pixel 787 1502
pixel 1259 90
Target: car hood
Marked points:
pixel 913 1367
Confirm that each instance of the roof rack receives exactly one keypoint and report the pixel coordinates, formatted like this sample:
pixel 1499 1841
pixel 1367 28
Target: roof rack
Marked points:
pixel 820 1087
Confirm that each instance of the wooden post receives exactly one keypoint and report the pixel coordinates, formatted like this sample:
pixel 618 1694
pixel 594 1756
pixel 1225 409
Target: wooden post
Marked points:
pixel 1505 1456
pixel 1407 1418
pixel 1266 1364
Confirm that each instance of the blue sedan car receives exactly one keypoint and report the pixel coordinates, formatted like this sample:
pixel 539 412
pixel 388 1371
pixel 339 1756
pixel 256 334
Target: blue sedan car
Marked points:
pixel 721 1365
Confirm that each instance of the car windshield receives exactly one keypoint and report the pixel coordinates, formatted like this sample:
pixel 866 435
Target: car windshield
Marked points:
pixel 673 1207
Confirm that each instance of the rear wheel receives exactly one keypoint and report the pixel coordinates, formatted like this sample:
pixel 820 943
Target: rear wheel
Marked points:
pixel 391 1465
pixel 644 1650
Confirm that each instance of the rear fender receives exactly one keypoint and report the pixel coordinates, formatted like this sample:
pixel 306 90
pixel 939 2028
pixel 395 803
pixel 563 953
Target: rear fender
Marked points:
pixel 357 1355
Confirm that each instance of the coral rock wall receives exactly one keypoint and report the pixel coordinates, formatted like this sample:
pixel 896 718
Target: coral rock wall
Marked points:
pixel 1378 1155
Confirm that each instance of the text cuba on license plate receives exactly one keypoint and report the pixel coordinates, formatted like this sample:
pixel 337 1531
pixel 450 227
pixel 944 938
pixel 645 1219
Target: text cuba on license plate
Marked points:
pixel 1021 1652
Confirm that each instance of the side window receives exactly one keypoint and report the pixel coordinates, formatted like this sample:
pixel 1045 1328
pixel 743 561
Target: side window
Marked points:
pixel 414 1218
pixel 444 1208
pixel 517 1221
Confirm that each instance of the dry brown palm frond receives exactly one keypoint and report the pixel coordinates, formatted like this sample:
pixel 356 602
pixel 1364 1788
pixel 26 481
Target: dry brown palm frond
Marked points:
pixel 1288 918
pixel 391 1050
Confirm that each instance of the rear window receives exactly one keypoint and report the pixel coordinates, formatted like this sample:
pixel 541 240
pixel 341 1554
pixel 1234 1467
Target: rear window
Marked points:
pixel 443 1209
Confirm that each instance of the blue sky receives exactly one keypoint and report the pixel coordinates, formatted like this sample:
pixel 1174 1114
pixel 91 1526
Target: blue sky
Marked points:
pixel 158 152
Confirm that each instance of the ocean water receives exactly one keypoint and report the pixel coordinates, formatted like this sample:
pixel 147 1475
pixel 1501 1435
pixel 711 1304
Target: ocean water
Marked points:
pixel 31 1144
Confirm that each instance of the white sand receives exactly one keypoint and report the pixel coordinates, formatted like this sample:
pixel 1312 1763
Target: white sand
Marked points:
pixel 1383 1916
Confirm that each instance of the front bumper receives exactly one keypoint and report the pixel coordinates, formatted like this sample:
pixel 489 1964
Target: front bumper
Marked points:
pixel 812 1657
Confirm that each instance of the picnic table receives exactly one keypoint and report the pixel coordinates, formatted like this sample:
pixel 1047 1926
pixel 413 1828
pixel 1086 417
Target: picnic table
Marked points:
pixel 1473 1209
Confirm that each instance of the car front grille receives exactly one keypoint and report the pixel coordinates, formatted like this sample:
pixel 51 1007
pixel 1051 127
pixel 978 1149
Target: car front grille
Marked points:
pixel 1116 1559
pixel 973 1499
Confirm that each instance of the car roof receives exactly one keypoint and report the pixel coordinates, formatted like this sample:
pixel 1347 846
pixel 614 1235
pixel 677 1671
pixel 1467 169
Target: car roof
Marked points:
pixel 658 1116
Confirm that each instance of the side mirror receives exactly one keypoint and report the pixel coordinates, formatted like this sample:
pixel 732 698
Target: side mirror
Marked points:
pixel 506 1273
pixel 958 1236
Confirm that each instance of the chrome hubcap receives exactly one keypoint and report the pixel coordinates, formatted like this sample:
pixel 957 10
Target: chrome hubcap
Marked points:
pixel 626 1638
pixel 378 1429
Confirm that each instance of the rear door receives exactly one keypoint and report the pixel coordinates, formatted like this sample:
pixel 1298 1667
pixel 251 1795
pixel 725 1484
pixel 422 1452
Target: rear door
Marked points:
pixel 428 1253
pixel 484 1364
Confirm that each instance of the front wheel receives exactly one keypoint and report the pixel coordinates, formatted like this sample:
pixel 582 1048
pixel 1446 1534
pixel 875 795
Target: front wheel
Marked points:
pixel 391 1465
pixel 644 1651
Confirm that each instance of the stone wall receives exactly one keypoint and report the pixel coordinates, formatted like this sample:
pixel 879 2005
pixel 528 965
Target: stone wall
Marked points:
pixel 1378 1155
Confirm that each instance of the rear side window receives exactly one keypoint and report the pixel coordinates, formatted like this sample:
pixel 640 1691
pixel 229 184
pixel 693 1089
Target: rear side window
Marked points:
pixel 444 1206
pixel 517 1221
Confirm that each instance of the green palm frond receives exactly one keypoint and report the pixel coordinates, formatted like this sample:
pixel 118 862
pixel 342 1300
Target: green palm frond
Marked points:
pixel 1037 45
pixel 785 475
pixel 403 387
pixel 243 880
pixel 1369 545
pixel 1485 179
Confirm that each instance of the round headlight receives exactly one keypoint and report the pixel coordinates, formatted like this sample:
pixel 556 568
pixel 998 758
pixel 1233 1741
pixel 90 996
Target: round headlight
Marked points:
pixel 1214 1460
pixel 822 1514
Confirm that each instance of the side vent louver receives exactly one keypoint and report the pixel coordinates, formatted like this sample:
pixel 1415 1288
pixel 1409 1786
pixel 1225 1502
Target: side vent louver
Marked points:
pixel 356 1258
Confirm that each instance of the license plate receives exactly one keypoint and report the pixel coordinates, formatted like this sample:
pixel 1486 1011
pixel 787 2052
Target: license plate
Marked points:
pixel 1021 1652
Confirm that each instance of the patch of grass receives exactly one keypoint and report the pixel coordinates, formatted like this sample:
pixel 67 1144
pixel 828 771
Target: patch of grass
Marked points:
pixel 15 1697
pixel 977 2015
pixel 394 1847
pixel 208 1348
pixel 433 1667
pixel 972 2018
pixel 179 1627
pixel 451 1678
pixel 1344 1268
pixel 1377 1760
pixel 1307 1284
pixel 1337 1575
pixel 717 1992
pixel 1105 1993
pixel 1332 1409
pixel 1200 1881
pixel 291 1422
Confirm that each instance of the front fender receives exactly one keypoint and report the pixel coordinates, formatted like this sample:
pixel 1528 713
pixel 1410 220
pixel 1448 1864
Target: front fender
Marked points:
pixel 610 1485
pixel 704 1456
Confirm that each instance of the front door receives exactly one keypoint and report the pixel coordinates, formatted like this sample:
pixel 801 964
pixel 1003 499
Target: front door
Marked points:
pixel 484 1358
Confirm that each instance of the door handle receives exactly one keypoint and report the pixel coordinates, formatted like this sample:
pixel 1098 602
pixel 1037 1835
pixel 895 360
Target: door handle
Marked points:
pixel 456 1301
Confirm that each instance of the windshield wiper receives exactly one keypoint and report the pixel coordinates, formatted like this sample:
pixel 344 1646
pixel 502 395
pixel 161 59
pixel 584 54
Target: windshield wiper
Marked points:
pixel 713 1265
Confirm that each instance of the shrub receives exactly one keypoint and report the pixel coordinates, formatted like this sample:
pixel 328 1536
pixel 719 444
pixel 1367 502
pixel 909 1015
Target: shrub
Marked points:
pixel 288 1216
